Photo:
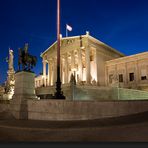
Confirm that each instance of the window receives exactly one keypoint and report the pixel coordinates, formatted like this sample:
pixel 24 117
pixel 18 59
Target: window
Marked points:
pixel 110 78
pixel 143 74
pixel 143 78
pixel 121 78
pixel 131 75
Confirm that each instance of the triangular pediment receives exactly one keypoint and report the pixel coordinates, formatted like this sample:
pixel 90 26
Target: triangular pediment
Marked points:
pixel 69 41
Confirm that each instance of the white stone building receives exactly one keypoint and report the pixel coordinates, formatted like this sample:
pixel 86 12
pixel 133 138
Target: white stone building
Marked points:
pixel 130 71
pixel 83 55
pixel 94 64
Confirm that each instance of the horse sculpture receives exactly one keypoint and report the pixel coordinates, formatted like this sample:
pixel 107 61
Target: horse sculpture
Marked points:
pixel 26 60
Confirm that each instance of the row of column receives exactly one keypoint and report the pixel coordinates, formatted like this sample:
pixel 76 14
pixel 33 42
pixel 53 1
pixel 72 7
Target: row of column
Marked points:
pixel 65 71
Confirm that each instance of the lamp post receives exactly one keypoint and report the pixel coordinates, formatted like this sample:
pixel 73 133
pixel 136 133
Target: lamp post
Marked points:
pixel 59 93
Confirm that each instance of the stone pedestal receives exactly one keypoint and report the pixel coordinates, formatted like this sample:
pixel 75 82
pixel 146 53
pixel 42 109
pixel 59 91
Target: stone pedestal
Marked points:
pixel 24 90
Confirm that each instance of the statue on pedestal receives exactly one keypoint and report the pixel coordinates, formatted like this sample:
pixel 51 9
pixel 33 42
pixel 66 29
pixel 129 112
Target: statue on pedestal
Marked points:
pixel 11 57
pixel 9 85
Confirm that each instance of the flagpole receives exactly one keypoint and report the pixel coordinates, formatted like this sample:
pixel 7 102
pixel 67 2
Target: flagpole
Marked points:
pixel 59 93
pixel 66 31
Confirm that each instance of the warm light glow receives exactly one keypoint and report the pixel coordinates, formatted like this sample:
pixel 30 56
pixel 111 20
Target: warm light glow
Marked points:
pixel 63 78
pixel 84 74
pixel 93 71
pixel 52 79
pixel 73 69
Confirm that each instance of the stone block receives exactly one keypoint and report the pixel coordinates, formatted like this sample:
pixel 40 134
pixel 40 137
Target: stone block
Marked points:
pixel 24 83
pixel 24 90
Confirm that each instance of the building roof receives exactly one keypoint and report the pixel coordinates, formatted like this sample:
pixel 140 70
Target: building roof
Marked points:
pixel 84 36
pixel 139 56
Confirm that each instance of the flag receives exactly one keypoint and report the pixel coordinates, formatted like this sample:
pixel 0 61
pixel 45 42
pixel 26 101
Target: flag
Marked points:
pixel 69 28
pixel 7 60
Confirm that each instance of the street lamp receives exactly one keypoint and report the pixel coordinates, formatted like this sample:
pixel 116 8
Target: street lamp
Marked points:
pixel 58 93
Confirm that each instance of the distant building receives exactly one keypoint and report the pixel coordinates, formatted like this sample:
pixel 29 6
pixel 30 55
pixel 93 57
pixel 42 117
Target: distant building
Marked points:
pixel 130 71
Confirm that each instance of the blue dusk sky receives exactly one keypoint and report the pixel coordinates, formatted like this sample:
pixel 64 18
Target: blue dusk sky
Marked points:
pixel 122 24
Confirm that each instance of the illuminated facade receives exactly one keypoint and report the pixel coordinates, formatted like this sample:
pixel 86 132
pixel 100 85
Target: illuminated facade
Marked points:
pixel 94 64
pixel 128 72
pixel 83 56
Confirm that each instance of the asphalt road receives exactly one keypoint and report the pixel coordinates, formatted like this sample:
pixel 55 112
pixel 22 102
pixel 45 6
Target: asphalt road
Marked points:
pixel 124 129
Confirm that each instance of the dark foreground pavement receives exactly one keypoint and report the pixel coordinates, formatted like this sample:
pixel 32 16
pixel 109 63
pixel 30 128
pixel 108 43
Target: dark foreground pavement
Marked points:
pixel 124 129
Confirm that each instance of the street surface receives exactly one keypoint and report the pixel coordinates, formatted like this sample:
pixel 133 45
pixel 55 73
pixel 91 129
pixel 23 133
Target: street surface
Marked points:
pixel 124 129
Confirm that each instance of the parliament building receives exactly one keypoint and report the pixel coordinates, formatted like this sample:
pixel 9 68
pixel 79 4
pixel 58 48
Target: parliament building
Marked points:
pixel 95 65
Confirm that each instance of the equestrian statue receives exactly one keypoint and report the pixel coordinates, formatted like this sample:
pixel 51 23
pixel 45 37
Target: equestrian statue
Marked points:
pixel 26 62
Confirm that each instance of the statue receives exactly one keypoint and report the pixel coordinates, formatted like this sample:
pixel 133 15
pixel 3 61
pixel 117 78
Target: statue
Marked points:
pixel 73 79
pixel 26 60
pixel 10 61
pixel 94 83
pixel 9 84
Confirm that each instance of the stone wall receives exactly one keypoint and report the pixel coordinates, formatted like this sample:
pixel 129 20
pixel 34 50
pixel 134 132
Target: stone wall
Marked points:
pixel 78 110
pixel 4 107
pixel 80 92
pixel 96 93
pixel 83 110
pixel 51 90
pixel 93 93
pixel 130 94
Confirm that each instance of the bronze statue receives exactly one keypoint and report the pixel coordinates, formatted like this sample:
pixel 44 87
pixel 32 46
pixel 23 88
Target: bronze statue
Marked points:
pixel 26 60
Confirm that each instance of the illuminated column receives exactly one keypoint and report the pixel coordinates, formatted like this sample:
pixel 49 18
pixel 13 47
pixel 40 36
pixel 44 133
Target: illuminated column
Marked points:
pixel 50 80
pixel 126 75
pixel 54 71
pixel 96 66
pixel 80 65
pixel 72 60
pixel 137 71
pixel 66 68
pixel 87 55
pixel 61 70
pixel 49 73
pixel 44 72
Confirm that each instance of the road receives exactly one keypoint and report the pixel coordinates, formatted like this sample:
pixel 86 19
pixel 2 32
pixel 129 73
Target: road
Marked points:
pixel 124 129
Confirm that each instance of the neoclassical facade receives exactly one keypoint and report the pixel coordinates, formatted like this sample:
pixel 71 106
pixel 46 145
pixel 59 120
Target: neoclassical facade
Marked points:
pixel 93 63
pixel 84 56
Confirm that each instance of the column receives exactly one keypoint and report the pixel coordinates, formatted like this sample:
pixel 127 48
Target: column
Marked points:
pixel 49 73
pixel 54 71
pixel 136 72
pixel 61 70
pixel 72 60
pixel 44 72
pixel 80 65
pixel 66 68
pixel 87 58
pixel 97 66
pixel 126 76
